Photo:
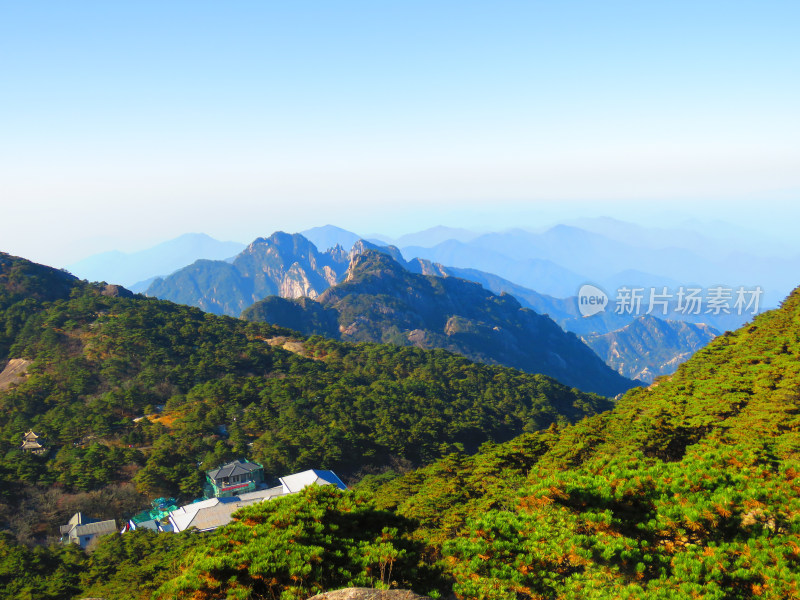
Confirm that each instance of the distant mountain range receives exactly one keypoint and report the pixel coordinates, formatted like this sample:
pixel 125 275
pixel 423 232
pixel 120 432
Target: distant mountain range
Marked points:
pixel 128 269
pixel 557 261
pixel 380 300
pixel 554 262
pixel 428 237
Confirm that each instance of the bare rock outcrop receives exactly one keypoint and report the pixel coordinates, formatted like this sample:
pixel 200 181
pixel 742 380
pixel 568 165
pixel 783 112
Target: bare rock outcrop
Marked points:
pixel 14 372
pixel 116 291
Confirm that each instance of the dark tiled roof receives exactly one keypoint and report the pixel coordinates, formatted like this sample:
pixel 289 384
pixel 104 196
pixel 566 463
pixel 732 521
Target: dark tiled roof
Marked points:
pixel 235 468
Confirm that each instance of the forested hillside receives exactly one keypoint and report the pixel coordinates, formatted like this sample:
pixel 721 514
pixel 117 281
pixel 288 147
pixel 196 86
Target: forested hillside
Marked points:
pixel 686 489
pixel 216 388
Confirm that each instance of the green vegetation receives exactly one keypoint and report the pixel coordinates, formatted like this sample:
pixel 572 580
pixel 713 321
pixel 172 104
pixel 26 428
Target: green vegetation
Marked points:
pixel 40 573
pixel 228 390
pixel 126 567
pixel 318 540
pixel 687 489
pixel 134 565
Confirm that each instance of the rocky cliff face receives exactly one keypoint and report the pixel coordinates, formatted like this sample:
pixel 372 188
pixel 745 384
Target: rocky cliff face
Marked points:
pixel 289 266
pixel 380 300
pixel 649 347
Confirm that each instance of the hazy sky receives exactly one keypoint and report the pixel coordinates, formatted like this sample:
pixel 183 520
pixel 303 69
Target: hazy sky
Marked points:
pixel 127 123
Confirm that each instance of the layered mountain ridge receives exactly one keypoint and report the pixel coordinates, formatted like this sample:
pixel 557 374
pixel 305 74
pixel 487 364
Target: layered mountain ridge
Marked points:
pixel 290 266
pixel 380 300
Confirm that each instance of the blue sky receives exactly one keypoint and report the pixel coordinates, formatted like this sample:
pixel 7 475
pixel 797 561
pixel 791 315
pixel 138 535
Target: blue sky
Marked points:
pixel 126 123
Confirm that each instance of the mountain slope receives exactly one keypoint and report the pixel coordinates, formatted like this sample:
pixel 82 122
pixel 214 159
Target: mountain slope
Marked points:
pixel 24 285
pixel 22 279
pixel 690 488
pixel 134 389
pixel 649 347
pixel 626 345
pixel 380 301
pixel 291 266
pixel 685 490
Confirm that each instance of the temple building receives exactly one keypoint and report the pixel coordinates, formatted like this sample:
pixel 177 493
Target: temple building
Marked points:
pixel 30 443
pixel 235 478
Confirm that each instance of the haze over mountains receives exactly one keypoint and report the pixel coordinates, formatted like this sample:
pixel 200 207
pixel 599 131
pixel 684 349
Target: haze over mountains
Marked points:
pixel 129 269
pixel 558 260
pixel 553 261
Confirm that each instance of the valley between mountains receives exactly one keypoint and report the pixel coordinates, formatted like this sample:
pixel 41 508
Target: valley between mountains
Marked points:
pixel 490 453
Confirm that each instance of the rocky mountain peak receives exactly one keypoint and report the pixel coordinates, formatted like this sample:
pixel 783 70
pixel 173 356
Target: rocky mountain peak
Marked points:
pixel 362 246
pixel 338 254
pixel 286 265
pixel 371 261
pixel 281 244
